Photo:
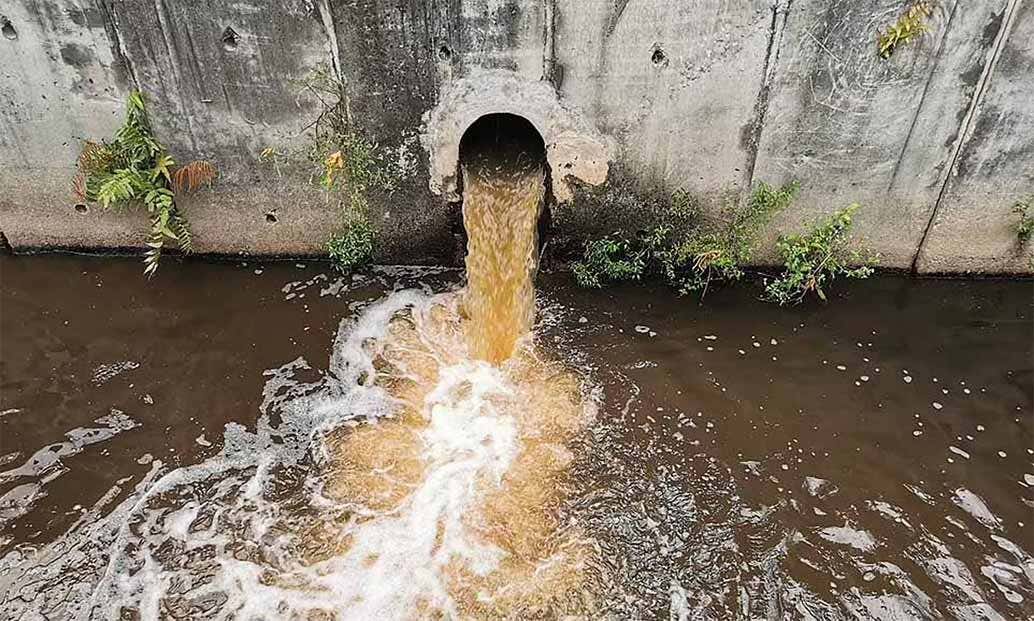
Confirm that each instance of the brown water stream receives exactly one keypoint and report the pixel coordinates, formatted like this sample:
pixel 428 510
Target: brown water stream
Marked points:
pixel 205 448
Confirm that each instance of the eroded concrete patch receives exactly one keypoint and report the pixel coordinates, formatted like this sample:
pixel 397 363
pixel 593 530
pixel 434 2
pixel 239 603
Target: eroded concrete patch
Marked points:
pixel 575 149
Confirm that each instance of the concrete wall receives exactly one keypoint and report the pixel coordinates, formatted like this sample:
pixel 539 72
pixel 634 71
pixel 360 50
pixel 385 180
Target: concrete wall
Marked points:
pixel 711 96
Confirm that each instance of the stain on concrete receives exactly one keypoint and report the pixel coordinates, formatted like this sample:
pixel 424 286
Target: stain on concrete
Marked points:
pixel 75 55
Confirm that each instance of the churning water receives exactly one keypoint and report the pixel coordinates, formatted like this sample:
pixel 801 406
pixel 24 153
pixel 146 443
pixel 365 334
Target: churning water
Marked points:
pixel 421 476
pixel 628 456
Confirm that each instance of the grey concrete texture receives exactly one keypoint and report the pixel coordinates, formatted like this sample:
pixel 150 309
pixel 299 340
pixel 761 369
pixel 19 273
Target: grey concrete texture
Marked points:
pixel 973 228
pixel 709 96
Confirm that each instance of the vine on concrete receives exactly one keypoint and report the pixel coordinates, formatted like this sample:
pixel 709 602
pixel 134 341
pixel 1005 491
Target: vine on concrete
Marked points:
pixel 345 160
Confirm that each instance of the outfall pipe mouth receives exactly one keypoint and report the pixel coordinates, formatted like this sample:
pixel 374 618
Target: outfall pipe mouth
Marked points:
pixel 506 105
pixel 504 141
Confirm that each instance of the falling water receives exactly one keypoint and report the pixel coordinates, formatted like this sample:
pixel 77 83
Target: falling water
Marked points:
pixel 423 475
pixel 501 204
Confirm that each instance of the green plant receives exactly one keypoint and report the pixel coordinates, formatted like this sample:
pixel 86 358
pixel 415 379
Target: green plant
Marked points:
pixel 135 169
pixel 1024 211
pixel 352 247
pixel 692 258
pixel 720 253
pixel 344 160
pixel 608 260
pixel 814 260
pixel 909 26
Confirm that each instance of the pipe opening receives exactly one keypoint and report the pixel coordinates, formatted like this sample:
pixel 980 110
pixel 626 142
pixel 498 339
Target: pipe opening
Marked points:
pixel 502 139
pixel 500 144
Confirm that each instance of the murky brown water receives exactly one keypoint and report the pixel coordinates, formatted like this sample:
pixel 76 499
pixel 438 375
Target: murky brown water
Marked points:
pixel 870 459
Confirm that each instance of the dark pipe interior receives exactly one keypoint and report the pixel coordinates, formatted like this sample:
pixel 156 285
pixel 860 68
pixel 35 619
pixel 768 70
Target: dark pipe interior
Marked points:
pixel 504 140
pixel 507 141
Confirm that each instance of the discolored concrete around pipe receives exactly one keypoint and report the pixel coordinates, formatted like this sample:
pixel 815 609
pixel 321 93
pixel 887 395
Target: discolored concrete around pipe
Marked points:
pixel 575 149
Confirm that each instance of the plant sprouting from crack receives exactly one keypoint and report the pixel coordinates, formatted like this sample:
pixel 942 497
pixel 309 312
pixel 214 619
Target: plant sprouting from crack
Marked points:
pixel 344 161
pixel 811 262
pixel 720 253
pixel 136 170
pixel 909 27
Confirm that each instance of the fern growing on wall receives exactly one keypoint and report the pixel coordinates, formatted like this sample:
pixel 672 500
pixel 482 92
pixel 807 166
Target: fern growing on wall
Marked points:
pixel 135 170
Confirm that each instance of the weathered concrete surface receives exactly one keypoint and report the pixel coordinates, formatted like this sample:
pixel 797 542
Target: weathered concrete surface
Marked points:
pixel 675 83
pixel 709 96
pixel 853 127
pixel 575 150
pixel 974 228
pixel 60 83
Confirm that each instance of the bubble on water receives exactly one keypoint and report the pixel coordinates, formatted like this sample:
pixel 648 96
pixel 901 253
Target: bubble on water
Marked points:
pixel 841 367
pixel 642 329
pixel 105 372
pixel 936 405
pixel 958 451
pixel 1005 579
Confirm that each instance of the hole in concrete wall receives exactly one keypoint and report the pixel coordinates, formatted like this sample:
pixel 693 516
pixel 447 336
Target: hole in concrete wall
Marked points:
pixel 81 208
pixel 8 29
pixel 658 57
pixel 444 52
pixel 230 39
pixel 271 217
pixel 502 140
pixel 502 135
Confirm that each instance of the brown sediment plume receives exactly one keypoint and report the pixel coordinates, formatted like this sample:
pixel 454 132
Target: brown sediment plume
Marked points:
pixel 500 212
pixel 477 453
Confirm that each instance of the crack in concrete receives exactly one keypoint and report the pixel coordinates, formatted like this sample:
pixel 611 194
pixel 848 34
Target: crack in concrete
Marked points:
pixel 922 98
pixel 768 71
pixel 549 64
pixel 968 120
pixel 330 29
pixel 112 26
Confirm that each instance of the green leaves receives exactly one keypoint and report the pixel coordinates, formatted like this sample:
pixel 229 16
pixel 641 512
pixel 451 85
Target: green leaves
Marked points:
pixel 1024 211
pixel 611 259
pixel 909 26
pixel 689 260
pixel 813 260
pixel 161 167
pixel 135 170
pixel 353 247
